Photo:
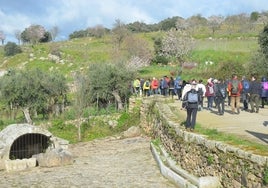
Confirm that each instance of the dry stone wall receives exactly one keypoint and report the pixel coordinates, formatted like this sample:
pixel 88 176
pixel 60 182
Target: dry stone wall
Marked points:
pixel 198 155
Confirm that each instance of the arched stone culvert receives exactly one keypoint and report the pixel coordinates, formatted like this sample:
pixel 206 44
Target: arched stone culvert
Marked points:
pixel 19 142
pixel 27 145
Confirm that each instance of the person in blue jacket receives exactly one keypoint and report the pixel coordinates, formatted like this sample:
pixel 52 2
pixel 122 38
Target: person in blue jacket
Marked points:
pixel 264 91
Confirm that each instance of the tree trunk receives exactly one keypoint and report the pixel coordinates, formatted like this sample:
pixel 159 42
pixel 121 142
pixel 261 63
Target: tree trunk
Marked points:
pixel 118 100
pixel 27 115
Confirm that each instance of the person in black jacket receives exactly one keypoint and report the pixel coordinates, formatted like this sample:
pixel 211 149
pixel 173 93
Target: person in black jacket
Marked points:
pixel 220 95
pixel 191 99
pixel 254 94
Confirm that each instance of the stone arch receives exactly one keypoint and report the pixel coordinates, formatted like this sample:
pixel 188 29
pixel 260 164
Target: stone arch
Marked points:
pixel 21 141
pixel 27 145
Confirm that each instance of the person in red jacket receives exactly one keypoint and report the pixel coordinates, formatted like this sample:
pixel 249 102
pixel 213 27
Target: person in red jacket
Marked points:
pixel 154 86
pixel 235 87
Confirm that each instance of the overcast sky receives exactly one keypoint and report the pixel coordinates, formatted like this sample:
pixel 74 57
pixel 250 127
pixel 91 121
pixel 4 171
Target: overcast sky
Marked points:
pixel 73 15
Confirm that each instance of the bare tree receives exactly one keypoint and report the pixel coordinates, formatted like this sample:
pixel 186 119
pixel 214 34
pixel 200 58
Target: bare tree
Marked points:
pixel 178 44
pixel 237 23
pixel 54 31
pixel 119 32
pixel 97 31
pixel 214 22
pixel 263 19
pixel 182 24
pixel 18 35
pixel 196 22
pixel 139 52
pixel 2 37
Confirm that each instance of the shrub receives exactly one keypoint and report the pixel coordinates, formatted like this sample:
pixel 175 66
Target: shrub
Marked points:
pixel 11 49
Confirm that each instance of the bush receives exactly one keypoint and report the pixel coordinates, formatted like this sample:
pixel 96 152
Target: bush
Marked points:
pixel 11 49
pixel 160 60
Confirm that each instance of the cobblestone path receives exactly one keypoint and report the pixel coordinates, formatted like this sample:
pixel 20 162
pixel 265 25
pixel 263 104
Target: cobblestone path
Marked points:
pixel 111 163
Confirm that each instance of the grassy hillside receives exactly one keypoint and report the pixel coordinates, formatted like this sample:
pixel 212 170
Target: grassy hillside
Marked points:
pixel 77 54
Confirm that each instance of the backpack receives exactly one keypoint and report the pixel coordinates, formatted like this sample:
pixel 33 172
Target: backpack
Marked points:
pixel 192 97
pixel 245 85
pixel 265 85
pixel 222 92
pixel 200 91
pixel 147 84
pixel 177 84
pixel 210 90
pixel 235 84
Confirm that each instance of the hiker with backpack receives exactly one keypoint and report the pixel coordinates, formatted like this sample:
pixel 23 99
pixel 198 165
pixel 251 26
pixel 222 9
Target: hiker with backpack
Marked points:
pixel 146 88
pixel 255 88
pixel 210 93
pixel 178 87
pixel 245 90
pixel 171 85
pixel 235 88
pixel 190 101
pixel 201 88
pixel 264 91
pixel 220 95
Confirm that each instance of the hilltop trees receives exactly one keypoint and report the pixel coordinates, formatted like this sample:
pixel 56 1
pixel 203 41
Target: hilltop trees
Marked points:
pixel 35 34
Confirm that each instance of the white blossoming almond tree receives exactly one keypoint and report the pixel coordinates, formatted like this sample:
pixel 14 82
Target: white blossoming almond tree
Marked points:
pixel 177 44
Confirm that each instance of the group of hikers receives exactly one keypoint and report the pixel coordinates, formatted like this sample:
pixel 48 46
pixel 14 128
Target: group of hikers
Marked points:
pixel 166 86
pixel 251 93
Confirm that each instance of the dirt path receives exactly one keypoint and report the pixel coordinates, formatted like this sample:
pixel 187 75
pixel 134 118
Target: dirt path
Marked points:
pixel 253 126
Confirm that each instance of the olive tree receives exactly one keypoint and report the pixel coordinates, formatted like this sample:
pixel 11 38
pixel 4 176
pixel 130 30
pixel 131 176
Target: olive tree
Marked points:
pixel 263 41
pixel 32 90
pixel 107 82
pixel 11 49
pixel 259 63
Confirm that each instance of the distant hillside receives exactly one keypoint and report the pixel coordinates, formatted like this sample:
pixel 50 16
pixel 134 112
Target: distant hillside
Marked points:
pixel 77 54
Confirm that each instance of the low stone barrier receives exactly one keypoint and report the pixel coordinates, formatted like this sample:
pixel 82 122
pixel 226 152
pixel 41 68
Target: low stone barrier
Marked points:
pixel 199 156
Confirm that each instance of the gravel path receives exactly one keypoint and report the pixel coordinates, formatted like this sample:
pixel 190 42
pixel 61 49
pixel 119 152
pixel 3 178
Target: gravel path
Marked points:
pixel 253 126
pixel 103 163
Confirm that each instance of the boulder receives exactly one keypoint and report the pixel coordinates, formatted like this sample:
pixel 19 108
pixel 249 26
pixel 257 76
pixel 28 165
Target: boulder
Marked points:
pixel 54 157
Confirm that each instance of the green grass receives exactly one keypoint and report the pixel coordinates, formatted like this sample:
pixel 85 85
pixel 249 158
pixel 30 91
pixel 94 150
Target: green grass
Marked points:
pixel 79 53
pixel 228 138
pixel 227 45
pixel 234 140
pixel 157 71
pixel 202 56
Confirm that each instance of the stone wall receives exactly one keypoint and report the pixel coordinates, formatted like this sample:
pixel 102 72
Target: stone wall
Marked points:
pixel 198 155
